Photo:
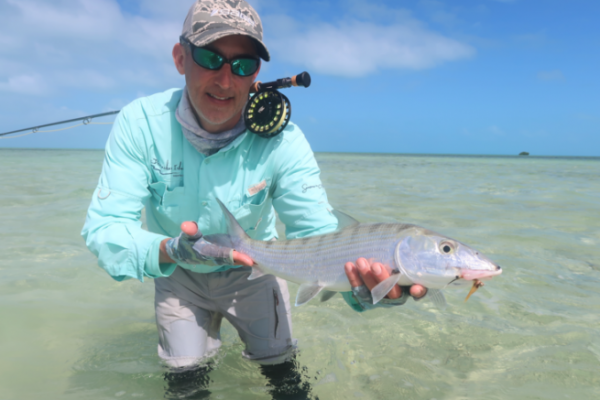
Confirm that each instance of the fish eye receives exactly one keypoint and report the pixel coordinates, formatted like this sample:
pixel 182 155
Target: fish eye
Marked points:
pixel 446 247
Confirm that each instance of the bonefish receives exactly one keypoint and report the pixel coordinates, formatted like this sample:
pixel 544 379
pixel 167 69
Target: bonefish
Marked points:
pixel 414 254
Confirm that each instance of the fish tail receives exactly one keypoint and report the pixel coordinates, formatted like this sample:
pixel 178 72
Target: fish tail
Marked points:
pixel 236 233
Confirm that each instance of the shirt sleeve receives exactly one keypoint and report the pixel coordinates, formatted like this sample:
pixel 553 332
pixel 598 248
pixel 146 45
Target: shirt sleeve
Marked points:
pixel 113 228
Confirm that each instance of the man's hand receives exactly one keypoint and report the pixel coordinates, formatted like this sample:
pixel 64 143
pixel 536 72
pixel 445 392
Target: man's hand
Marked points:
pixel 369 274
pixel 191 248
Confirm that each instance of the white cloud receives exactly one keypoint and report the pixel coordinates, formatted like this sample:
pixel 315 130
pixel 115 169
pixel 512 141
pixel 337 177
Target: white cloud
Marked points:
pixel 438 12
pixel 555 75
pixel 93 20
pixel 84 79
pixel 171 9
pixel 7 41
pixel 354 48
pixel 97 45
pixel 25 84
pixel 371 11
pixel 496 130
pixel 83 44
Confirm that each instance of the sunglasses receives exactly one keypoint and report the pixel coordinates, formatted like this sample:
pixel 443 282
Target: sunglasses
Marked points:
pixel 240 66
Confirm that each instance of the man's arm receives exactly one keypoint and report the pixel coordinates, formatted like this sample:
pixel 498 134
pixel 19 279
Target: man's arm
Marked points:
pixel 112 230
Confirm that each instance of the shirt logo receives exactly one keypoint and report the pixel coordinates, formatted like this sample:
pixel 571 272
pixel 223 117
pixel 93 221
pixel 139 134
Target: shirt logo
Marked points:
pixel 305 187
pixel 252 190
pixel 166 169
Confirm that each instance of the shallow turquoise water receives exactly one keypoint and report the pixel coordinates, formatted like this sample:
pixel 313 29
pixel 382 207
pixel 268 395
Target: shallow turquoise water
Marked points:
pixel 69 332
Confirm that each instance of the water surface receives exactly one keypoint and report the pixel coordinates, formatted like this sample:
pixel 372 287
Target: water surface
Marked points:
pixel 68 331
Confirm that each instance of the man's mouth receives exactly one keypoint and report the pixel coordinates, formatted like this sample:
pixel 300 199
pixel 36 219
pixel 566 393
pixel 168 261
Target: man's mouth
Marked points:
pixel 219 98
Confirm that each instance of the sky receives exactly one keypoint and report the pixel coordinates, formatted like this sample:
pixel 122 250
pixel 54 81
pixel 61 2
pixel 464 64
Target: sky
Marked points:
pixel 423 76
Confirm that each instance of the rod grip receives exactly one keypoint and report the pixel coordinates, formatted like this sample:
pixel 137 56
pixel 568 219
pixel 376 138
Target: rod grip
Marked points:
pixel 255 87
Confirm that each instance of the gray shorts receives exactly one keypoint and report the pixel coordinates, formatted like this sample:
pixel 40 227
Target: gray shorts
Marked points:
pixel 190 307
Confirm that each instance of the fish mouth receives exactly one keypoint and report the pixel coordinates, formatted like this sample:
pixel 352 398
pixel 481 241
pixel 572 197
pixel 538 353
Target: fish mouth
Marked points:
pixel 472 274
pixel 477 276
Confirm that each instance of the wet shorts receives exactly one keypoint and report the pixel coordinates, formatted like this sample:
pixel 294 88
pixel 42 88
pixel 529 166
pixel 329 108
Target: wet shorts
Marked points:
pixel 190 307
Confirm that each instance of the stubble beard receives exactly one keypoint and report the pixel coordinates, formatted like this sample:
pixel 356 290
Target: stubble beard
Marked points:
pixel 200 116
pixel 204 120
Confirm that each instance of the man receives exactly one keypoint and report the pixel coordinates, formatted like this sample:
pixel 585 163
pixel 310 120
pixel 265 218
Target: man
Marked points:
pixel 175 153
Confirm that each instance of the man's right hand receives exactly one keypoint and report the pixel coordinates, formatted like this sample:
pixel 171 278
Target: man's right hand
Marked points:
pixel 191 248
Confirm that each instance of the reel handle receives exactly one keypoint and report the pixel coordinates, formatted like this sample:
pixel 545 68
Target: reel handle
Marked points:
pixel 302 79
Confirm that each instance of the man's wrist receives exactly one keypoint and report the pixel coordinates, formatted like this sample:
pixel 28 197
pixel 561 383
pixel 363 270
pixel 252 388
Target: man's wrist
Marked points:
pixel 163 256
pixel 363 296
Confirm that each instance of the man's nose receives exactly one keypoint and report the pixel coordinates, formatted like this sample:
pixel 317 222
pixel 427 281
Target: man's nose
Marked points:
pixel 223 79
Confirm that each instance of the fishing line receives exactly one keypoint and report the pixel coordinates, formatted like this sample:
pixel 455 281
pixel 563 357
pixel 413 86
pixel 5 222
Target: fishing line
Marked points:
pixel 56 130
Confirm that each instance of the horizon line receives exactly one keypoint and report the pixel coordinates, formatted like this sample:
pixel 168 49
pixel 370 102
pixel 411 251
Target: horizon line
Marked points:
pixel 345 152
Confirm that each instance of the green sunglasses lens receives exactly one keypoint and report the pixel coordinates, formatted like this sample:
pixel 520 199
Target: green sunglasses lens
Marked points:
pixel 207 58
pixel 211 60
pixel 244 66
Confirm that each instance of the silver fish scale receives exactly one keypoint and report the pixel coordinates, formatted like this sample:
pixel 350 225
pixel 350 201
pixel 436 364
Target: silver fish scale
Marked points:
pixel 302 260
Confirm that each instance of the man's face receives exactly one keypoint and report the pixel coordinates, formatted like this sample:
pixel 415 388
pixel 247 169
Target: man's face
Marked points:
pixel 218 97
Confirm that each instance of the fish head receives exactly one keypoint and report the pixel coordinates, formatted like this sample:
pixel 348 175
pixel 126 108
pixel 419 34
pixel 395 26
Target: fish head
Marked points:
pixel 436 261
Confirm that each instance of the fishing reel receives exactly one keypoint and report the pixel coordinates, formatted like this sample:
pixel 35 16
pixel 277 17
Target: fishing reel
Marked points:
pixel 268 112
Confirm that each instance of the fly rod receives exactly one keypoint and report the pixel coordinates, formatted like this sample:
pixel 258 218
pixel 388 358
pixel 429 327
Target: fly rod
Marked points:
pixel 86 120
pixel 267 113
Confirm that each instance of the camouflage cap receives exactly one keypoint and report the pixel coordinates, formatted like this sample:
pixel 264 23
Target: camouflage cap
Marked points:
pixel 209 20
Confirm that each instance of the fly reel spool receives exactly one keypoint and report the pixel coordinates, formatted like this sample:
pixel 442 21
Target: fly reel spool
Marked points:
pixel 268 112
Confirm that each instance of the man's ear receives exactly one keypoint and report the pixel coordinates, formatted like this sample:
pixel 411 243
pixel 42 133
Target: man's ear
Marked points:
pixel 179 58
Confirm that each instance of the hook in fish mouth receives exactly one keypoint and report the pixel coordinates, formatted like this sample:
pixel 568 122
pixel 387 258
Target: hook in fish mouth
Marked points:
pixel 476 285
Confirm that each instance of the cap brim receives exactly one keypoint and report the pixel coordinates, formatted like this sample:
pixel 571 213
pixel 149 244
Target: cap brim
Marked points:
pixel 206 38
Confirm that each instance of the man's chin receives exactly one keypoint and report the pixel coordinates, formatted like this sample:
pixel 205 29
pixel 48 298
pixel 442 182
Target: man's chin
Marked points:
pixel 217 125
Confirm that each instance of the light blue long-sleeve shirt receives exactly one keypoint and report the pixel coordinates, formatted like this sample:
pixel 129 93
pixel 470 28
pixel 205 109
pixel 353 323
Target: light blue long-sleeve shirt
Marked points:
pixel 149 164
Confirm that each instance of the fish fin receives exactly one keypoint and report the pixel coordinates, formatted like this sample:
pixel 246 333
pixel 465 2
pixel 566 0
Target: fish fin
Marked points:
pixel 438 298
pixel 326 295
pixel 384 287
pixel 344 220
pixel 256 273
pixel 234 229
pixel 306 292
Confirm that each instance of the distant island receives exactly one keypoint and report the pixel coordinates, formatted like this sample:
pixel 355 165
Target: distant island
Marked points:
pixel 523 153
